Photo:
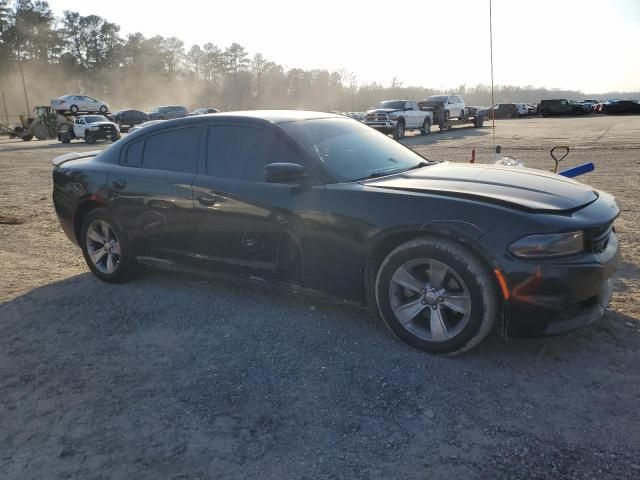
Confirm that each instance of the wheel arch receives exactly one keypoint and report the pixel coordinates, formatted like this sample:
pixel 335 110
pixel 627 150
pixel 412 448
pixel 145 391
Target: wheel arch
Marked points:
pixel 463 233
pixel 81 212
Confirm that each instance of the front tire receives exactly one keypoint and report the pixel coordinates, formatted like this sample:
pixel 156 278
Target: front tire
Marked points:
pixel 74 109
pixel 426 127
pixel 88 138
pixel 398 131
pixel 435 295
pixel 105 247
pixel 103 109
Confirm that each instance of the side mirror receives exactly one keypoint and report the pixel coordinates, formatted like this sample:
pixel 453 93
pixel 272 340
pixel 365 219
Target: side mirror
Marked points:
pixel 283 173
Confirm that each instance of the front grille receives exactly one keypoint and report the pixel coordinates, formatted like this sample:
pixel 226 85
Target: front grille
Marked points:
pixel 377 117
pixel 599 237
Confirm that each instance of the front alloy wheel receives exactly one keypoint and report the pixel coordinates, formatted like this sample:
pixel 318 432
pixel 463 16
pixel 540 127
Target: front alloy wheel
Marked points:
pixel 436 295
pixel 430 299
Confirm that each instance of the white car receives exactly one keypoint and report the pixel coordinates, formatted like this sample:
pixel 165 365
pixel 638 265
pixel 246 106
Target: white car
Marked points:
pixel 79 103
pixel 453 104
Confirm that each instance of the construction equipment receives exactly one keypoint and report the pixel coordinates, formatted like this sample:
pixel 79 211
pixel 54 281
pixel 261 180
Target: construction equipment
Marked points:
pixel 44 125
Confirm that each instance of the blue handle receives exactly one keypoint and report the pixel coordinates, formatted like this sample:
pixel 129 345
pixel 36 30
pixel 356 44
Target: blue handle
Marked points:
pixel 578 170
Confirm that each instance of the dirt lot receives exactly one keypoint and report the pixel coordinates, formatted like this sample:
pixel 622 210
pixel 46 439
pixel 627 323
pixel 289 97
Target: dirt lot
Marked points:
pixel 185 378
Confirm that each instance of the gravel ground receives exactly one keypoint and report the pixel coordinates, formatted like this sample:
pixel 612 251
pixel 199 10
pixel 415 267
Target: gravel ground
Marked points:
pixel 172 376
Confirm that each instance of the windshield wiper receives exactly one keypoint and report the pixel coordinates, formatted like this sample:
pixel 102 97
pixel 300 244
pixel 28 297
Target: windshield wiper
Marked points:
pixel 384 173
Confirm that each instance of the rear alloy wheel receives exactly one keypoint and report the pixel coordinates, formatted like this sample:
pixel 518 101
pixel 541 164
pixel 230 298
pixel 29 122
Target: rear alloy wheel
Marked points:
pixel 74 109
pixel 103 109
pixel 436 296
pixel 398 132
pixel 104 246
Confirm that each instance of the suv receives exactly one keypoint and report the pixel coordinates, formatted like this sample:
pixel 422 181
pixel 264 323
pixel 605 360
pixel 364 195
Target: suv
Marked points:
pixel 168 113
pixel 90 128
pixel 561 107
pixel 398 116
pixel 454 106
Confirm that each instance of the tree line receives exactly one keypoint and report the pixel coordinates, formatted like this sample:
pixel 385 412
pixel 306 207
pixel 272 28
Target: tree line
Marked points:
pixel 90 55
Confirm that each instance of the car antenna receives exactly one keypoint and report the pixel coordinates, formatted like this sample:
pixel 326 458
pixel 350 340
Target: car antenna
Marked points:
pixel 493 102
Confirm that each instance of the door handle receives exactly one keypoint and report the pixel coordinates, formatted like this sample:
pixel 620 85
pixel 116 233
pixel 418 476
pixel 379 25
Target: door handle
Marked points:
pixel 207 201
pixel 119 184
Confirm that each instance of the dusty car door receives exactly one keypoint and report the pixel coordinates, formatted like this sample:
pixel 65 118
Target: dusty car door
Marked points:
pixel 243 223
pixel 150 192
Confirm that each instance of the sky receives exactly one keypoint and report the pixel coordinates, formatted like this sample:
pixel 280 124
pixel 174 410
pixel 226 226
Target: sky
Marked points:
pixel 587 45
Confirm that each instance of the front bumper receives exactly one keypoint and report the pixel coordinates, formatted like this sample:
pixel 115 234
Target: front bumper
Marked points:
pixel 386 127
pixel 547 298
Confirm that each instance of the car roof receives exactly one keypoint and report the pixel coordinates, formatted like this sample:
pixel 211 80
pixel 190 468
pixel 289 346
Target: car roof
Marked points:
pixel 248 116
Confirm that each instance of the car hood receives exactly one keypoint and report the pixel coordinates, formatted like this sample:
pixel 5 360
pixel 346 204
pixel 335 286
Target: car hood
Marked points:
pixel 522 188
pixel 96 124
pixel 385 110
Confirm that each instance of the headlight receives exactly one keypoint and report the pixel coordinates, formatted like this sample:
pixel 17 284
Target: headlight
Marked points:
pixel 94 129
pixel 548 245
pixel 393 117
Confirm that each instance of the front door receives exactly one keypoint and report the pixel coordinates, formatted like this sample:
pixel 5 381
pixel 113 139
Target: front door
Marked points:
pixel 150 192
pixel 244 224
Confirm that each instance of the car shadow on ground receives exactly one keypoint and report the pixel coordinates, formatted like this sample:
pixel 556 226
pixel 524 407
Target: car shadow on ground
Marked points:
pixel 179 375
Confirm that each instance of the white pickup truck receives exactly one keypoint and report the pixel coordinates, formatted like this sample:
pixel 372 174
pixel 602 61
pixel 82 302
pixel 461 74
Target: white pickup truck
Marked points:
pixel 398 116
pixel 90 128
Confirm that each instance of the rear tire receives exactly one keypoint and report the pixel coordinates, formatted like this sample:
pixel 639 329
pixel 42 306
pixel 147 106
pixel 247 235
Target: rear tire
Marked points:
pixel 103 109
pixel 105 247
pixel 436 296
pixel 74 109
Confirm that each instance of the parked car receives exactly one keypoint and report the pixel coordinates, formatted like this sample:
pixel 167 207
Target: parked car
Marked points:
pixel 79 103
pixel 590 104
pixel 561 106
pixel 320 203
pixel 454 105
pixel 90 128
pixel 501 110
pixel 204 111
pixel 398 116
pixel 168 112
pixel 621 107
pixel 145 124
pixel 129 118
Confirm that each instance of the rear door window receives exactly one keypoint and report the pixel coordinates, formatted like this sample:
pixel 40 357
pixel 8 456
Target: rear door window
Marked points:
pixel 172 150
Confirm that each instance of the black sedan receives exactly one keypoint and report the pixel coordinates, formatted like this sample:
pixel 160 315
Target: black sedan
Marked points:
pixel 319 203
pixel 129 118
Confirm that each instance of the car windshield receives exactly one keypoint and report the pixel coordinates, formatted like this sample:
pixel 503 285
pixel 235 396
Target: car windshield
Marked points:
pixel 391 104
pixel 437 99
pixel 350 150
pixel 94 118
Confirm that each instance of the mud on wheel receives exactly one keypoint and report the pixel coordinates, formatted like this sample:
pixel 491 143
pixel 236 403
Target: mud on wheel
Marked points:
pixel 436 295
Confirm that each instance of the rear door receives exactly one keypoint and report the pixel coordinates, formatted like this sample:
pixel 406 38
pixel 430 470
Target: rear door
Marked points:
pixel 150 191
